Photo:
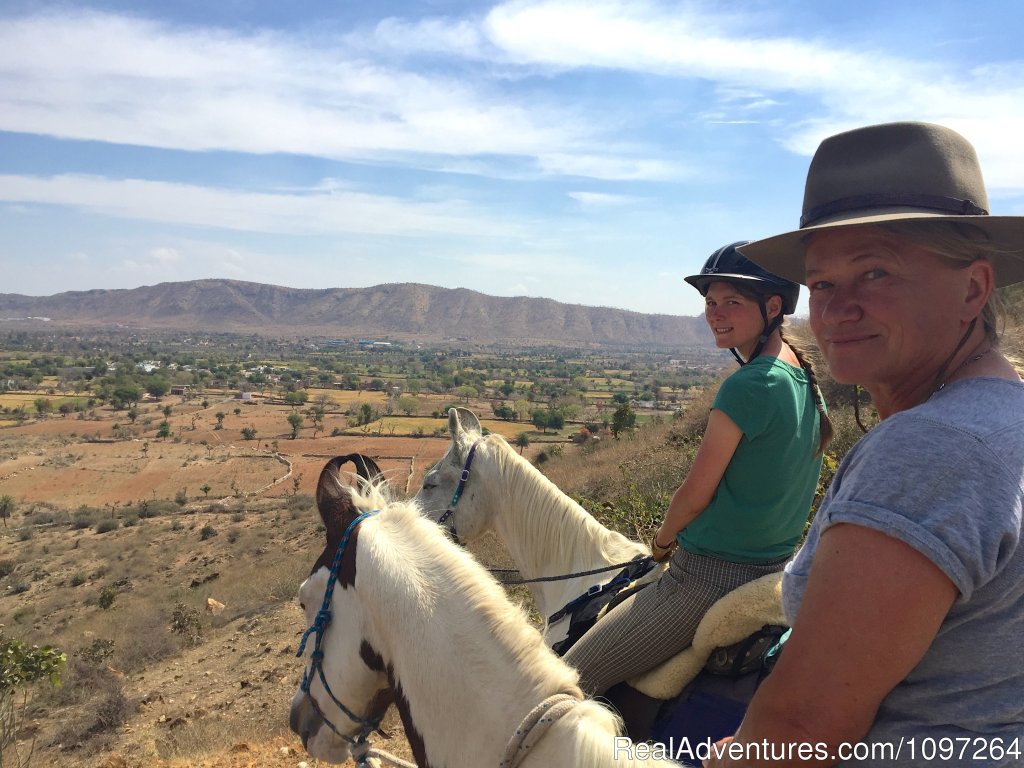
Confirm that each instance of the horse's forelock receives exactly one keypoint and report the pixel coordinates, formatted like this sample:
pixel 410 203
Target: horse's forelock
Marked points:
pixel 334 499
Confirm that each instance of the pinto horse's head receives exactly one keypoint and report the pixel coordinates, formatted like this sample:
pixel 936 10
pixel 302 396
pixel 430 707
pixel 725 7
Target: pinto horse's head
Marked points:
pixel 345 689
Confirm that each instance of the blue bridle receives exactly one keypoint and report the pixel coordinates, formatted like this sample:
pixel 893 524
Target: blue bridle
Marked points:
pixel 450 512
pixel 316 667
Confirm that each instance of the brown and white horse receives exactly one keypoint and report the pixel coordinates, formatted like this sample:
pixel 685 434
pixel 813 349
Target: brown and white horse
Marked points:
pixel 398 613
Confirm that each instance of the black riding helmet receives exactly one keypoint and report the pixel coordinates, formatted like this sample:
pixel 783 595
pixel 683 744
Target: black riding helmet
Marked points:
pixel 727 265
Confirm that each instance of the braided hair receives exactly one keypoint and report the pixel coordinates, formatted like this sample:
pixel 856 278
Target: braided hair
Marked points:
pixel 825 429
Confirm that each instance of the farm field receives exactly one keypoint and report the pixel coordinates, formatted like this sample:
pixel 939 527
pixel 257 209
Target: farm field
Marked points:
pixel 127 507
pixel 70 462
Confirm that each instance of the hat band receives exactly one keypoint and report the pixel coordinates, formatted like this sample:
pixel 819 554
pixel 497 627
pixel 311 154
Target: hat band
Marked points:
pixel 951 205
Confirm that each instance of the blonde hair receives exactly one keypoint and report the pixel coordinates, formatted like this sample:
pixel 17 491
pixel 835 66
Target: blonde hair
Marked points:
pixel 962 244
pixel 826 431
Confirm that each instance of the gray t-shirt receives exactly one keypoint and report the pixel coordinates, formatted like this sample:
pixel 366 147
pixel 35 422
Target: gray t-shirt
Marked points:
pixel 947 478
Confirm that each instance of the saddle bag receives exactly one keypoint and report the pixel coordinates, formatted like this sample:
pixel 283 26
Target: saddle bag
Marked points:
pixel 712 706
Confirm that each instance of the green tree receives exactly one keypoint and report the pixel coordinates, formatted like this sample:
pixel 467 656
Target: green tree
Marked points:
pixel 125 395
pixel 158 387
pixel 133 414
pixel 556 419
pixel 623 420
pixel 205 489
pixel 296 398
pixel 295 420
pixel 408 405
pixel 164 430
pixel 522 441
pixel 21 668
pixel 539 419
pixel 316 415
pixel 43 405
pixel 219 415
pixel 366 414
pixel 505 412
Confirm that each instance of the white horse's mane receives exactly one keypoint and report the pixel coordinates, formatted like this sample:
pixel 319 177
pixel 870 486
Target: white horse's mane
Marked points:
pixel 412 554
pixel 452 634
pixel 557 529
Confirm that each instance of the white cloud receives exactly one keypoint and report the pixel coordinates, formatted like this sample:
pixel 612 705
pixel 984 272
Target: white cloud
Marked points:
pixel 613 168
pixel 338 212
pixel 126 80
pixel 755 73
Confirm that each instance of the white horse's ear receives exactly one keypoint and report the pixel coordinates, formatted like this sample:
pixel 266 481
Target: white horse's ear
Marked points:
pixel 454 425
pixel 470 422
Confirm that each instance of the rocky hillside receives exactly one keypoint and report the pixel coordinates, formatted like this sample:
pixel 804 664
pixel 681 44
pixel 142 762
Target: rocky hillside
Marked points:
pixel 399 311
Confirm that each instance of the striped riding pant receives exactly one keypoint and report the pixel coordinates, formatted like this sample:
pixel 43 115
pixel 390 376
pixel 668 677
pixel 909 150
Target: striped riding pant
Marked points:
pixel 659 621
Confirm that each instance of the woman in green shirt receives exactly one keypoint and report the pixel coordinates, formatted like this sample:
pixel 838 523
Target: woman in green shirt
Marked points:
pixel 740 512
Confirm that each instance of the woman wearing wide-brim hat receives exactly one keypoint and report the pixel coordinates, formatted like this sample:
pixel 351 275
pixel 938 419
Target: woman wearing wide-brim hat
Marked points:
pixel 907 599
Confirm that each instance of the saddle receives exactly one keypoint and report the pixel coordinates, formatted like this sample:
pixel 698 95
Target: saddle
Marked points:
pixel 740 614
pixel 702 693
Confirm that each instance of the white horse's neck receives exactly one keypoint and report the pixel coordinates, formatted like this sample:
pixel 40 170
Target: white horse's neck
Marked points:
pixel 465 659
pixel 545 531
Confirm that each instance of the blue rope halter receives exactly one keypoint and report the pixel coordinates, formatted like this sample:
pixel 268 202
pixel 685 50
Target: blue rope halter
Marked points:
pixel 316 667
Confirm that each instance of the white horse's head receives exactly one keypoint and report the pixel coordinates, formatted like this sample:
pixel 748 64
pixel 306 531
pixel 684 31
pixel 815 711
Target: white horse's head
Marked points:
pixel 464 515
pixel 345 689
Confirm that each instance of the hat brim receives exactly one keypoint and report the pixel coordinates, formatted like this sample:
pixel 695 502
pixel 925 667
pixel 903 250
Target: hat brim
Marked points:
pixel 784 254
pixel 702 282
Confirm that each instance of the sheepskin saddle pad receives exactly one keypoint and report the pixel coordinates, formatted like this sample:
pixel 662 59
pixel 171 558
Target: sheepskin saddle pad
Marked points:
pixel 734 617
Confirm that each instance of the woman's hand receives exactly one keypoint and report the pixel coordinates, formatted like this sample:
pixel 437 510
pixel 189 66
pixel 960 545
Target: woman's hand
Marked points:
pixel 660 553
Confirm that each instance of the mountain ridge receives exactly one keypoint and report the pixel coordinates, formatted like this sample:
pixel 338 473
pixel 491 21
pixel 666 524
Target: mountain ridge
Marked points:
pixel 401 311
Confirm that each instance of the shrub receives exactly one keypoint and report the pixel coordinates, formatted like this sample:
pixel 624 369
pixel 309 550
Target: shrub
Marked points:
pixel 23 614
pixel 98 651
pixel 109 707
pixel 107 597
pixel 207 532
pixel 106 526
pixel 185 622
pixel 84 517
pixel 77 580
pixel 6 567
pixel 181 498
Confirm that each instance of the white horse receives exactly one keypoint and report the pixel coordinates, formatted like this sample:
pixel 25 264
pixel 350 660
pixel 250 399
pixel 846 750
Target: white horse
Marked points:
pixel 398 613
pixel 545 531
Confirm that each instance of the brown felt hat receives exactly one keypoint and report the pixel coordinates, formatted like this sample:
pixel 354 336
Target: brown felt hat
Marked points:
pixel 894 173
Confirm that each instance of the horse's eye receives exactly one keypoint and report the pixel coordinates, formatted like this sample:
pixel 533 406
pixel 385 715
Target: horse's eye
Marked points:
pixel 302 605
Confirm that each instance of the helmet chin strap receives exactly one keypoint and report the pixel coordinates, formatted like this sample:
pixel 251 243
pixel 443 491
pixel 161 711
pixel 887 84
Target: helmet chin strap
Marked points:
pixel 769 329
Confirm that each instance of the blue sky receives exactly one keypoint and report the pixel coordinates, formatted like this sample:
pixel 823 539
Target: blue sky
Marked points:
pixel 590 152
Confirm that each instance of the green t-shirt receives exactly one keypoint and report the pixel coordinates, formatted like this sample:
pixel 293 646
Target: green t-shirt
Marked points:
pixel 764 497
